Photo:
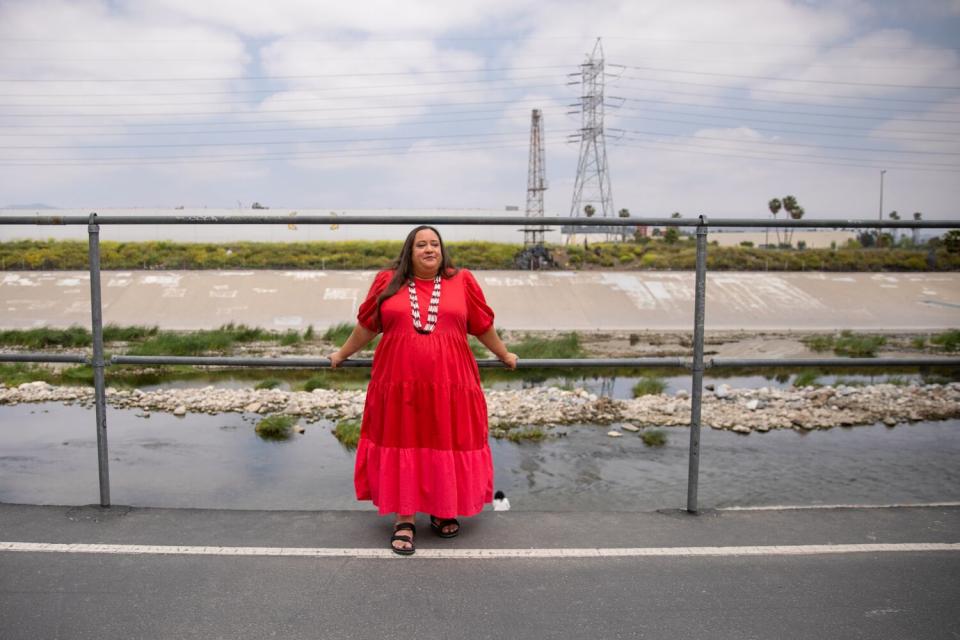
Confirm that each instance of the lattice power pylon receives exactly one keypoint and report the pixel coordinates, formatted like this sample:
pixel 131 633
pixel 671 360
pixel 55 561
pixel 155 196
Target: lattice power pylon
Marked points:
pixel 592 186
pixel 536 182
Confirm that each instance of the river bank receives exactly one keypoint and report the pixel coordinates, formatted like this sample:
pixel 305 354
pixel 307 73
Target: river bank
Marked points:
pixel 738 410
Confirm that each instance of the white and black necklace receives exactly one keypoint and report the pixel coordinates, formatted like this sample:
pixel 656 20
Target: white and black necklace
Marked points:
pixel 431 309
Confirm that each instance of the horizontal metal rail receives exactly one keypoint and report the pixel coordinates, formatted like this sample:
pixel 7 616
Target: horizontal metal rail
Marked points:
pixel 477 220
pixel 523 363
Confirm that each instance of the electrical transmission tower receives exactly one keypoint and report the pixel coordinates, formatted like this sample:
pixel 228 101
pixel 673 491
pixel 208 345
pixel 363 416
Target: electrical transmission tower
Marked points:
pixel 592 186
pixel 536 183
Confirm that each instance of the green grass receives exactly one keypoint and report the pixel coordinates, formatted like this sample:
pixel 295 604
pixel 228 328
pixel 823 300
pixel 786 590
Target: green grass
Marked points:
pixel 289 338
pixel 275 427
pixel 43 338
pixel 564 346
pixel 653 437
pixel 806 379
pixel 338 333
pixel 348 433
pixel 819 343
pixel 199 342
pixel 269 383
pixel 525 434
pixel 479 351
pixel 948 340
pixel 918 342
pixel 857 346
pixel 649 386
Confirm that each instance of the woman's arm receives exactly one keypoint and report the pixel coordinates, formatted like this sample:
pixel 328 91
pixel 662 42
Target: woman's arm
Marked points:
pixel 359 338
pixel 492 341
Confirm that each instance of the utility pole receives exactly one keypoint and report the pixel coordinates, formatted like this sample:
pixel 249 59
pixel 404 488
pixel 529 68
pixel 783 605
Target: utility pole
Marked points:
pixel 592 185
pixel 536 181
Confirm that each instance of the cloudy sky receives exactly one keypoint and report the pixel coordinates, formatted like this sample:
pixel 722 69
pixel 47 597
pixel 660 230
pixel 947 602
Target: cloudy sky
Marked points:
pixel 710 107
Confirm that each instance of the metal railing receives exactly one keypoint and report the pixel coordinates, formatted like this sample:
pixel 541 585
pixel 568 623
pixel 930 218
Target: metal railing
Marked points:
pixel 697 365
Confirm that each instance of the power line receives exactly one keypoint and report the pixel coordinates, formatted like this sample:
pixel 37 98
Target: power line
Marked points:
pixel 306 155
pixel 739 119
pixel 807 103
pixel 799 144
pixel 774 78
pixel 284 77
pixel 800 113
pixel 315 99
pixel 858 163
pixel 791 131
pixel 233 113
pixel 178 145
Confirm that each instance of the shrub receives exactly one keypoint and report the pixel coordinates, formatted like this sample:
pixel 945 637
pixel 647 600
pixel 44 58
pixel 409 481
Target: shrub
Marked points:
pixel 857 346
pixel 806 379
pixel 948 340
pixel 275 427
pixel 918 342
pixel 649 386
pixel 348 433
pixel 338 333
pixel 269 383
pixel 289 338
pixel 564 346
pixel 653 437
pixel 819 343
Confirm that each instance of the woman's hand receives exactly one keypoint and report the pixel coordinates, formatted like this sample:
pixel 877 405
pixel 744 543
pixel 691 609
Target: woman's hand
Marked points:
pixel 510 360
pixel 336 359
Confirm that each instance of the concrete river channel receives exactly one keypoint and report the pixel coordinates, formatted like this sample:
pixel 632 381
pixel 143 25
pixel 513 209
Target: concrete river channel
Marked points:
pixel 48 456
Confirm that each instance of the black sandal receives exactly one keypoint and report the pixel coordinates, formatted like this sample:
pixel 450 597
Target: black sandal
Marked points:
pixel 404 526
pixel 438 525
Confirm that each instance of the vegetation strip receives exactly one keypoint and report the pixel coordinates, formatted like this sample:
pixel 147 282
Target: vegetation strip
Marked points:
pixel 675 251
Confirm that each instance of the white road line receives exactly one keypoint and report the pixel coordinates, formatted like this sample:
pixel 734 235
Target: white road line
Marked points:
pixel 918 505
pixel 477 554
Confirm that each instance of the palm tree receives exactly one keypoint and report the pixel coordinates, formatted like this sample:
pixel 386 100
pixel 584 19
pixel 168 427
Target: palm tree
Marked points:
pixel 893 215
pixel 916 231
pixel 795 214
pixel 790 205
pixel 774 206
pixel 589 210
pixel 624 213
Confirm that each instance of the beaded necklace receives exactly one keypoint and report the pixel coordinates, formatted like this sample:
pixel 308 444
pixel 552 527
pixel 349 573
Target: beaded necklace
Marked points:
pixel 431 309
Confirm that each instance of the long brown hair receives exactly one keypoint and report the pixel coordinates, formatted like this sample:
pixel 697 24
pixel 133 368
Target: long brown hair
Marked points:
pixel 403 265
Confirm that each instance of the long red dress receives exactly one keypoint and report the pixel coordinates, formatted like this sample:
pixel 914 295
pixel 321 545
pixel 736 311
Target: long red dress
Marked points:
pixel 423 443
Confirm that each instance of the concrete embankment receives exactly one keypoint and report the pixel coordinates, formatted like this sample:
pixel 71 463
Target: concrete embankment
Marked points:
pixel 604 300
pixel 740 410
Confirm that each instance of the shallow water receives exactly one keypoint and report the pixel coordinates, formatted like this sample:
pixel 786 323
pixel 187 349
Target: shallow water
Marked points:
pixel 48 456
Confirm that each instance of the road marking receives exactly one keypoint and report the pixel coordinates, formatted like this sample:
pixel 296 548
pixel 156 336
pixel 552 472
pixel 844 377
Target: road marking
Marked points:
pixel 916 505
pixel 476 554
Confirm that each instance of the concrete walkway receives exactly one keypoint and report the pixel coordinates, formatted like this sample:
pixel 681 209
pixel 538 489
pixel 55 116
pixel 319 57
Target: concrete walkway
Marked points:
pixel 86 572
pixel 605 300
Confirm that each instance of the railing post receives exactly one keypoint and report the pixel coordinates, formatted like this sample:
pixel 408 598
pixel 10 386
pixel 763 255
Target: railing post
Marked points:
pixel 99 390
pixel 696 393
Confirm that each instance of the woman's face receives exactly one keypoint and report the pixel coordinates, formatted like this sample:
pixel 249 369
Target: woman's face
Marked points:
pixel 426 253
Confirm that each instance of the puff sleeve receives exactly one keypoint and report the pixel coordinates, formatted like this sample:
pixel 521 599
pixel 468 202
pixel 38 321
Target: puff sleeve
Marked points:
pixel 479 314
pixel 367 313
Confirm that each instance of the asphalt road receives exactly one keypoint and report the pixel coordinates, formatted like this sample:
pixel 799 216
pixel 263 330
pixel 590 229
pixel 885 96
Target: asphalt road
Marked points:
pixel 778 592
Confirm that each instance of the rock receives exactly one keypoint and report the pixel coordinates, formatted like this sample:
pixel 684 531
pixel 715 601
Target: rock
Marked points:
pixel 299 428
pixel 741 429
pixel 723 391
pixel 614 434
pixel 629 427
pixel 753 404
pixel 682 393
pixel 180 410
pixel 889 421
pixel 763 428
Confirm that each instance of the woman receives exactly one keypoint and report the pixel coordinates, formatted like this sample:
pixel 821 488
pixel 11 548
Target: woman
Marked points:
pixel 423 444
